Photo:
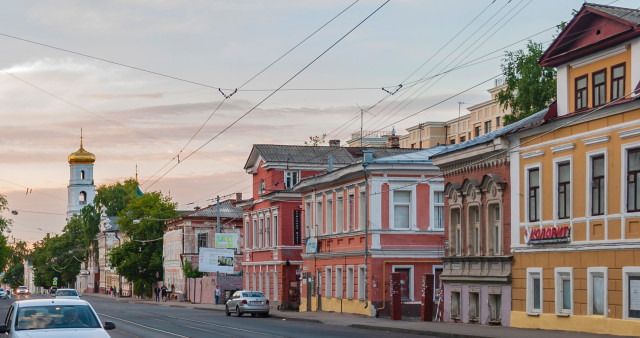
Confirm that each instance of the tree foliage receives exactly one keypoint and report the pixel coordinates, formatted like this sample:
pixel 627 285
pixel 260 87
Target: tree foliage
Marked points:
pixel 19 251
pixel 116 197
pixel 140 258
pixel 530 87
pixel 316 140
pixel 14 276
pixel 190 272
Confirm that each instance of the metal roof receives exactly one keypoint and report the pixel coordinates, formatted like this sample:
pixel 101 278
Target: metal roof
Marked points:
pixel 417 156
pixel 227 210
pixel 627 14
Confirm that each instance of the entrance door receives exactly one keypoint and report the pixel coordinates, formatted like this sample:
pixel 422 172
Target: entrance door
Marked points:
pixel 307 277
pixel 404 283
pixel 319 290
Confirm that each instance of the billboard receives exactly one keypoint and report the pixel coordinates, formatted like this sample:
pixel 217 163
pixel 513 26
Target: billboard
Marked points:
pixel 227 241
pixel 215 260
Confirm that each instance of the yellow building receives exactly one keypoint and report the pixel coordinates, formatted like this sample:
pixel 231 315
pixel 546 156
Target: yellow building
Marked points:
pixel 576 179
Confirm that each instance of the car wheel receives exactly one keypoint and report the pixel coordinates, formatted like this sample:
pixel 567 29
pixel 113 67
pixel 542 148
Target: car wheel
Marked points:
pixel 226 310
pixel 238 313
pixel 265 315
pixel 253 315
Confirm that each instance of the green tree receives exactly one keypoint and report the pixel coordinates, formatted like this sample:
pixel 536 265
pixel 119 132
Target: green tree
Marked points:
pixel 530 87
pixel 316 140
pixel 4 206
pixel 115 197
pixel 140 258
pixel 19 251
pixel 14 276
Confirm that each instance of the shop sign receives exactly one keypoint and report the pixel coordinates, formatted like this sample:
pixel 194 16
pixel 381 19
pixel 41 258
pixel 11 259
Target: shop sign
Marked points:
pixel 548 235
pixel 312 245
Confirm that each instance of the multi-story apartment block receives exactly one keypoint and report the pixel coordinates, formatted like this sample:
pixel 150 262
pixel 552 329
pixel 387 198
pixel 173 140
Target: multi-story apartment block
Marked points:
pixel 575 216
pixel 365 221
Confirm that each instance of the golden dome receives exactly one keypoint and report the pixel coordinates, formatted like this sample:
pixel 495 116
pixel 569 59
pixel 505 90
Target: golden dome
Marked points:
pixel 81 156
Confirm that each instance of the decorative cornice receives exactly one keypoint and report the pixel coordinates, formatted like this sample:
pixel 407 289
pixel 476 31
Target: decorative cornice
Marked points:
pixel 473 166
pixel 564 147
pixel 596 140
pixel 533 154
pixel 629 133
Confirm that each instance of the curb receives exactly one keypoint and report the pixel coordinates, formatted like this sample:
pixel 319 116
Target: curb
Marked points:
pixel 413 331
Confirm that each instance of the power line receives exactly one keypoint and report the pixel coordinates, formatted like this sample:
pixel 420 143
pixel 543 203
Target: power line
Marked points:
pixel 274 92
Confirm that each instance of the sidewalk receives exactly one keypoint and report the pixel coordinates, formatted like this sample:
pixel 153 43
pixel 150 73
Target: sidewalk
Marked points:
pixel 382 324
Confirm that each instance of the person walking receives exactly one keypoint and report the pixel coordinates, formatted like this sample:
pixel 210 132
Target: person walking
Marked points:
pixel 164 293
pixel 115 291
pixel 111 290
pixel 217 294
pixel 157 291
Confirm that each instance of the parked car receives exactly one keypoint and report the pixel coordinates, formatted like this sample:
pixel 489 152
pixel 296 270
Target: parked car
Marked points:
pixel 3 294
pixel 22 290
pixel 52 290
pixel 54 318
pixel 67 294
pixel 253 302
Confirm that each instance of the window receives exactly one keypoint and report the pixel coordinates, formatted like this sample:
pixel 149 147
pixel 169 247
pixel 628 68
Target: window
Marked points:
pixel 362 282
pixel 438 210
pixel 339 214
pixel 401 207
pixel 329 217
pixel 307 220
pixel 261 234
pixel 477 131
pixel 581 92
pixel 291 178
pixel 597 185
pixel 597 291
pixel 266 284
pixel 473 228
pixel 275 284
pixel 534 290
pixel 455 305
pixel 564 190
pixel 617 81
pixel 630 292
pixel 564 291
pixel 352 213
pixel 462 139
pixel 261 188
pixel 495 307
pixel 246 234
pixel 82 174
pixel 327 285
pixel 498 121
pixel 339 282
pixel 452 141
pixel 474 306
pixel 494 229
pixel 633 174
pixel 202 241
pixel 255 234
pixel 350 282
pixel 319 214
pixel 82 198
pixel 455 234
pixel 534 194
pixel 275 230
pixel 599 87
pixel 362 211
pixel 487 127
pixel 267 232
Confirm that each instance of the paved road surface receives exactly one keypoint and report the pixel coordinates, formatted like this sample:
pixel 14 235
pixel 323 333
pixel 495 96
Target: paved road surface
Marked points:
pixel 141 320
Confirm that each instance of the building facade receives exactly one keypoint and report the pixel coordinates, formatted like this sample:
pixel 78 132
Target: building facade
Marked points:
pixel 358 230
pixel 575 194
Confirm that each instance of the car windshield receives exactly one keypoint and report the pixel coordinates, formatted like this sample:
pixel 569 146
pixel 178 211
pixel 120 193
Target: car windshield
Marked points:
pixel 56 316
pixel 252 294
pixel 66 293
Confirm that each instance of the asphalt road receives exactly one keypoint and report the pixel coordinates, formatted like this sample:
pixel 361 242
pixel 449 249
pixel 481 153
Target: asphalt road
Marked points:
pixel 142 320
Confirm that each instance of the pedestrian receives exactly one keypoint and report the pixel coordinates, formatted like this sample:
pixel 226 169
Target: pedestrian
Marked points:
pixel 9 293
pixel 111 291
pixel 115 291
pixel 157 291
pixel 217 294
pixel 164 293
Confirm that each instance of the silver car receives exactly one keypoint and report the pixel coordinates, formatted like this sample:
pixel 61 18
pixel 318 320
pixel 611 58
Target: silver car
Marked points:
pixel 67 294
pixel 253 302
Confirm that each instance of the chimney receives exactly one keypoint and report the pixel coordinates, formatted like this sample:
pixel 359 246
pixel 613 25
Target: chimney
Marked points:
pixel 238 196
pixel 393 142
pixel 334 143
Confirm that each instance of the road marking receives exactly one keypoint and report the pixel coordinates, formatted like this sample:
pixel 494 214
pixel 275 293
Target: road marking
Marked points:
pixel 146 327
pixel 224 326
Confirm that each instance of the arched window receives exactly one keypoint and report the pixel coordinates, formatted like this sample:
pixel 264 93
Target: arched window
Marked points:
pixel 82 174
pixel 82 198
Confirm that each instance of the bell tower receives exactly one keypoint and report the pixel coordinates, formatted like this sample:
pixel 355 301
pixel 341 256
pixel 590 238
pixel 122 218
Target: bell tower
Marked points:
pixel 81 190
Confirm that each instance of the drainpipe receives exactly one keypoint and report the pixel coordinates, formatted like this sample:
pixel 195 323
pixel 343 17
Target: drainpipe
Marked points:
pixel 368 157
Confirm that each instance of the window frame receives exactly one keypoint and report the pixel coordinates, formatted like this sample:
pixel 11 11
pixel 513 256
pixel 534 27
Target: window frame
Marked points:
pixel 618 80
pixel 261 232
pixel 328 218
pixel 562 274
pixel 362 281
pixel 628 149
pixel 199 240
pixel 567 195
pixel 534 273
pixel 339 282
pixel 591 156
pixel 339 214
pixel 410 216
pixel 289 180
pixel 319 216
pixel 600 272
pixel 362 209
pixel 328 285
pixel 274 227
pixel 487 127
pixel 267 231
pixel 477 130
pixel 350 281
pixel 628 271
pixel 437 223
pixel 582 91
pixel 602 86
pixel 538 192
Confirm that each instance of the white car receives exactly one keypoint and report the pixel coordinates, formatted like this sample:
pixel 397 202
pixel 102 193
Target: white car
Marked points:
pixel 67 294
pixel 67 318
pixel 3 294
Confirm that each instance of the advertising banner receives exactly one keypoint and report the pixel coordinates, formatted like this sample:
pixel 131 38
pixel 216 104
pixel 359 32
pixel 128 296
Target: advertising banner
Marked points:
pixel 226 241
pixel 215 260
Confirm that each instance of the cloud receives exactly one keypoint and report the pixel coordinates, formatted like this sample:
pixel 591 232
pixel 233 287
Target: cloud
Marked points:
pixel 126 96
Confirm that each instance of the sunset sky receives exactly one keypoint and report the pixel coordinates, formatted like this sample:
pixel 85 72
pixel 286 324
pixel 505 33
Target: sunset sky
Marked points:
pixel 133 117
